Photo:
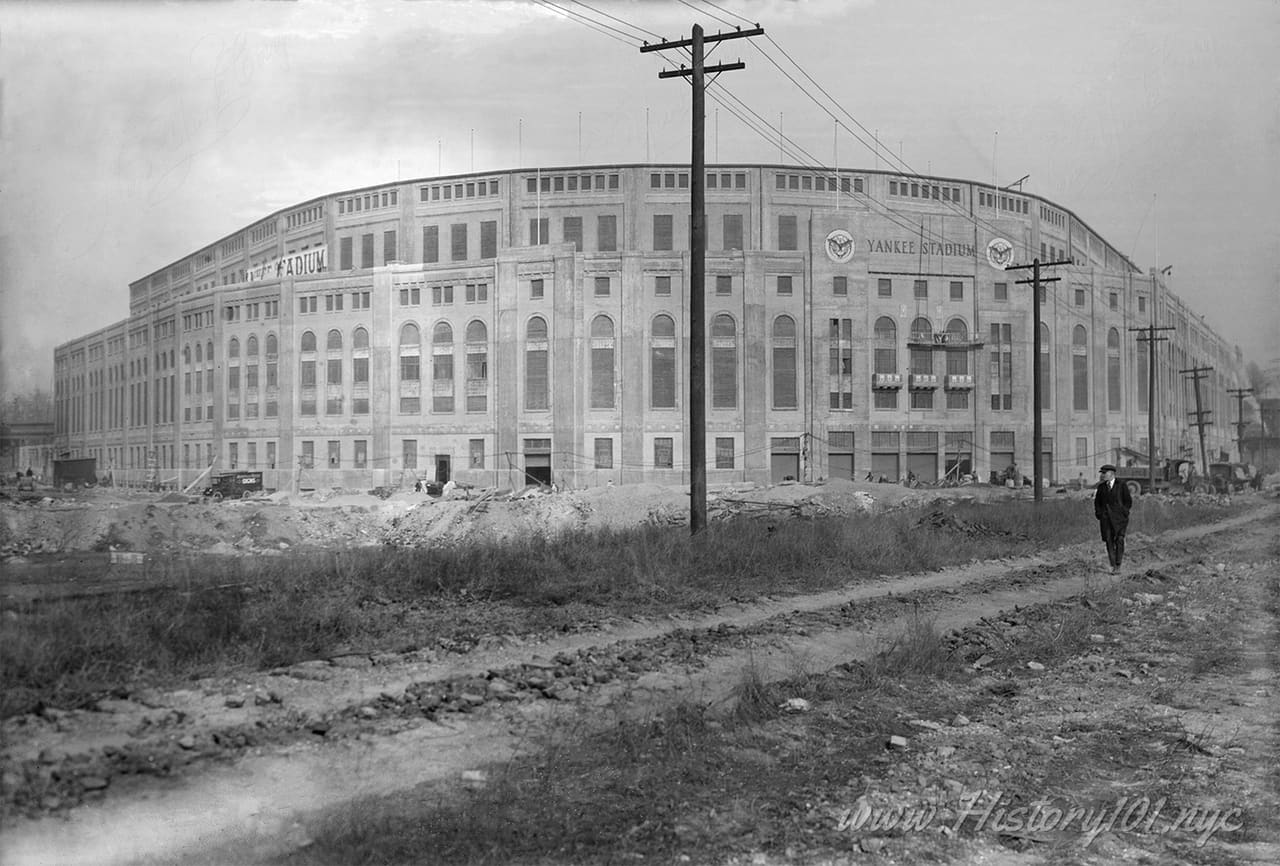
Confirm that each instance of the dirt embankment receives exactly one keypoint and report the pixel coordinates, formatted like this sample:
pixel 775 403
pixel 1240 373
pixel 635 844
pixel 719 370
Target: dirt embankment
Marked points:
pixel 108 520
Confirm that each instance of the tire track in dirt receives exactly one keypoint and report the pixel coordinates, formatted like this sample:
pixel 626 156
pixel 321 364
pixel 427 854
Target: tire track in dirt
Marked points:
pixel 248 810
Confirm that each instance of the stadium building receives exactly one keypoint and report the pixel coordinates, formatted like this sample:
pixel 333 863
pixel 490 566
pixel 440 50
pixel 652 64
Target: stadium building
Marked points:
pixel 499 328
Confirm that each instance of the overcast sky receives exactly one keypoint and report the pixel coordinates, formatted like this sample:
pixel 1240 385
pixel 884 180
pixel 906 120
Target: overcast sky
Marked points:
pixel 132 134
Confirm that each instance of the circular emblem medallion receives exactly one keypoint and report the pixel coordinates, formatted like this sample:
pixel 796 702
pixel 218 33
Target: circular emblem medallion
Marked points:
pixel 999 253
pixel 840 246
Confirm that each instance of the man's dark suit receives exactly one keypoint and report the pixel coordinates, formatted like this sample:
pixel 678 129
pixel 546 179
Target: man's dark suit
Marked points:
pixel 1111 504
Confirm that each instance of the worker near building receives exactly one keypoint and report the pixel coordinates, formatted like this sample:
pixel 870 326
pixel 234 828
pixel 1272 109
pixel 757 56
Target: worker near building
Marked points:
pixel 1111 504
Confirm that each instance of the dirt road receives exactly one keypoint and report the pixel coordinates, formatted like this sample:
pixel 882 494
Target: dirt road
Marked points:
pixel 230 770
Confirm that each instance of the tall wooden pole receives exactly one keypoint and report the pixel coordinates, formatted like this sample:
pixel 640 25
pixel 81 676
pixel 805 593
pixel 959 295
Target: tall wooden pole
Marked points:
pixel 697 259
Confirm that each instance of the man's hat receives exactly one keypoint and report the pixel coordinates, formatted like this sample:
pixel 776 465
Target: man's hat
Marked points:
pixel 1107 467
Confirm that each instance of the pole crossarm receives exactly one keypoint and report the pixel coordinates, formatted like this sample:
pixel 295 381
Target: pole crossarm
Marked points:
pixel 684 71
pixel 714 37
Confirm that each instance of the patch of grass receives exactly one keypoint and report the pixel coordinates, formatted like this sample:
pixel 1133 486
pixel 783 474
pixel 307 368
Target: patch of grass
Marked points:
pixel 248 613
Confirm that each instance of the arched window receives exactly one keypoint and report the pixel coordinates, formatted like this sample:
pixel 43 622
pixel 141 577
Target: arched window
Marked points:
pixel 308 341
pixel 410 350
pixel 442 367
pixel 724 362
pixel 273 347
pixel 199 355
pixel 662 363
pixel 477 369
pixel 186 355
pixel 360 339
pixel 602 369
pixel 958 353
pixel 536 386
pixel 1080 369
pixel 921 357
pixel 1113 370
pixel 208 351
pixel 885 333
pixel 233 348
pixel 334 341
pixel 1046 374
pixel 251 348
pixel 784 363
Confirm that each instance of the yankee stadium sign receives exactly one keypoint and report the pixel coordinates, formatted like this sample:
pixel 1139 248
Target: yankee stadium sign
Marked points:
pixel 305 263
pixel 917 247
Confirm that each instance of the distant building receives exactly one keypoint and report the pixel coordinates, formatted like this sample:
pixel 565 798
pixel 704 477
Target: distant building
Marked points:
pixel 505 327
pixel 26 445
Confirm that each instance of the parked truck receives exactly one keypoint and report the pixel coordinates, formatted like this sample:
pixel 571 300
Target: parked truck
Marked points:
pixel 1172 476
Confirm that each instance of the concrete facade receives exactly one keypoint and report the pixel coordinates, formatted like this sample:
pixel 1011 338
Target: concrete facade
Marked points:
pixel 500 328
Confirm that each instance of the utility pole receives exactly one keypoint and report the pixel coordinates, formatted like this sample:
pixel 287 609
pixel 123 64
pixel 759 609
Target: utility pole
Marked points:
pixel 1037 431
pixel 1239 395
pixel 1196 374
pixel 1151 339
pixel 697 255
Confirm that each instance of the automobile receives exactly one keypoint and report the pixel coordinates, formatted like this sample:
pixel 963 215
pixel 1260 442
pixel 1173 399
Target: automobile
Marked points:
pixel 234 485
pixel 1229 477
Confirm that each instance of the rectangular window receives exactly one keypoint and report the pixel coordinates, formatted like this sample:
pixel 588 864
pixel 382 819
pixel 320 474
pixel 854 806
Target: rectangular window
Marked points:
pixel 733 231
pixel 572 228
pixel 662 285
pixel 430 244
pixel 1079 297
pixel 359 405
pixel 602 287
pixel 410 405
pixel 409 453
pixel 607 233
pixel 458 242
pixel 360 371
pixel 344 254
pixel 389 246
pixel 663 453
pixel 662 231
pixel 1142 304
pixel 308 378
pixel 535 289
pixel 271 455
pixel 366 250
pixel 308 454
pixel 333 371
pixel 361 456
pixel 539 231
pixel 1115 301
pixel 786 232
pixel 410 370
pixel 784 284
pixel 921 290
pixel 840 286
pixel 1001 369
pixel 724 284
pixel 335 454
pixel 1001 291
pixel 475 453
pixel 724 452
pixel 884 288
pixel 604 453
pixel 957 291
pixel 489 239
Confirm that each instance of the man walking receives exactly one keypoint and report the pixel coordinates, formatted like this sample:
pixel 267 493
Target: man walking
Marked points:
pixel 1111 504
